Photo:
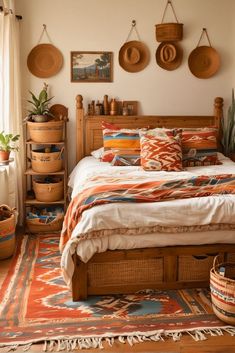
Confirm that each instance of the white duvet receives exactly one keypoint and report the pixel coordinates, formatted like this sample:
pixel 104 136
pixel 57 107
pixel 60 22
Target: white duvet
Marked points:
pixel 176 214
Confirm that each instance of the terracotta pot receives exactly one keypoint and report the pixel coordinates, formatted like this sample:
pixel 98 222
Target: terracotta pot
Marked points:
pixel 4 156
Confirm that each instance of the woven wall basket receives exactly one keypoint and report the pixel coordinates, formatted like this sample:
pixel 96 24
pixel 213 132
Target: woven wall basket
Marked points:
pixel 169 32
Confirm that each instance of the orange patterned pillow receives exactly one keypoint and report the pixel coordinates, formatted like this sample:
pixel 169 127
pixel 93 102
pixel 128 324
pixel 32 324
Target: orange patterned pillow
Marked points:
pixel 161 150
pixel 199 147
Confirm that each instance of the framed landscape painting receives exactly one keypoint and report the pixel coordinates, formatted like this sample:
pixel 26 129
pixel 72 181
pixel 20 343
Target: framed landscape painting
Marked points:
pixel 91 66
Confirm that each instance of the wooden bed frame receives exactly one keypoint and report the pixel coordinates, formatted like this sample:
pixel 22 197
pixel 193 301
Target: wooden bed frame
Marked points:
pixel 127 271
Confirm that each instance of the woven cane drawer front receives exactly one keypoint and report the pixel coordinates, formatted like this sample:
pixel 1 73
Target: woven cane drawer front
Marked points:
pixel 231 258
pixel 126 272
pixel 194 267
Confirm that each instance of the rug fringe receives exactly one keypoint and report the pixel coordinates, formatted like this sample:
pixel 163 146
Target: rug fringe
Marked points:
pixel 69 345
pixel 97 342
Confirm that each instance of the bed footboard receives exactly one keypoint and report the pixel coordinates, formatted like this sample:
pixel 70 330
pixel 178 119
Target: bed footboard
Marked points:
pixel 128 271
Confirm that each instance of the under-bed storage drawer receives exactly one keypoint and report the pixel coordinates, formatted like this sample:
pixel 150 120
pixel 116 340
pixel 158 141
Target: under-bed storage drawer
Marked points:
pixel 194 267
pixel 126 272
pixel 231 257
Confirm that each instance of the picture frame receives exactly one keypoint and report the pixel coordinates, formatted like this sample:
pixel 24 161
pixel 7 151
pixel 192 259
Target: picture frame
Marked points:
pixel 132 107
pixel 91 66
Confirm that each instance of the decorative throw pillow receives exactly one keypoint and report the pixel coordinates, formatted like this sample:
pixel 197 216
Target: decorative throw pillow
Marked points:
pixel 119 140
pixel 199 147
pixel 126 158
pixel 107 125
pixel 161 150
pixel 123 138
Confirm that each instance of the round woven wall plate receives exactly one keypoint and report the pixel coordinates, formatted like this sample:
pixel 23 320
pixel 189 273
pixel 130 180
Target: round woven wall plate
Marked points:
pixel 44 60
pixel 204 62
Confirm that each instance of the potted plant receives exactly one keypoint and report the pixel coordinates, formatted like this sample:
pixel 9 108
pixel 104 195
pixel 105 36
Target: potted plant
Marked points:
pixel 7 144
pixel 40 106
pixel 228 128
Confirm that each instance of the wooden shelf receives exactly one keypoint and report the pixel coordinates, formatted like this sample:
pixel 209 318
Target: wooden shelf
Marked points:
pixel 32 172
pixel 36 202
pixel 31 142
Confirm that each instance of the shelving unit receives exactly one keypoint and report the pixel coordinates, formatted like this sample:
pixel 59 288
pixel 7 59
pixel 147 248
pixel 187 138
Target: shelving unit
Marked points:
pixel 61 113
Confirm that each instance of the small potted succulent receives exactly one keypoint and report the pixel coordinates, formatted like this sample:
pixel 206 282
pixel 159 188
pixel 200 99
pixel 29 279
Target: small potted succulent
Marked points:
pixel 7 144
pixel 228 128
pixel 40 106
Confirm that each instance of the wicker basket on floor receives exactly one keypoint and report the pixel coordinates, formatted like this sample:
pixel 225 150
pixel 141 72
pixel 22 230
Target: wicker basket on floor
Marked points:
pixel 7 231
pixel 222 285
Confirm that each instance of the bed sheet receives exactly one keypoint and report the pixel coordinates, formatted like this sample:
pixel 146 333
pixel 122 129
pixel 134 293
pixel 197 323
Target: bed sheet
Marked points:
pixel 202 216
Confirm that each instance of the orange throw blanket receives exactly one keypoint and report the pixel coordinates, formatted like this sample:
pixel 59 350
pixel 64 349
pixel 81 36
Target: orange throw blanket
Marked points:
pixel 142 191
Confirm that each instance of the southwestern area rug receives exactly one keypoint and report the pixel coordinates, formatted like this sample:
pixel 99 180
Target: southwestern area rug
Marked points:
pixel 36 306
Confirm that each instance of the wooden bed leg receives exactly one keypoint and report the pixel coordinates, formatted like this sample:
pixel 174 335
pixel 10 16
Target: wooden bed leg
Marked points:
pixel 170 268
pixel 79 280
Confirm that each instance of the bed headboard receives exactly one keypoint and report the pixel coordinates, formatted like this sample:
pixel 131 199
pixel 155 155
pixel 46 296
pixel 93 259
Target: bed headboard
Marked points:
pixel 89 132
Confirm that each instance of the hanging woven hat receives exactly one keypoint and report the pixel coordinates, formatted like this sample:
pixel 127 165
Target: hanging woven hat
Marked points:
pixel 134 56
pixel 169 55
pixel 204 61
pixel 44 60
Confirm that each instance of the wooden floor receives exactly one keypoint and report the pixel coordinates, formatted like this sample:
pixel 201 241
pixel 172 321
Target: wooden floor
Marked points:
pixel 218 344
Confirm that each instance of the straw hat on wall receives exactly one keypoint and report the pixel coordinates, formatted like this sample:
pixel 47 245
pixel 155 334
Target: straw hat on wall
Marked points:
pixel 169 55
pixel 134 56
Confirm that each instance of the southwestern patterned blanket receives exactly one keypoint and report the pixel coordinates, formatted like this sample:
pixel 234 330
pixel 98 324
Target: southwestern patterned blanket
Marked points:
pixel 137 190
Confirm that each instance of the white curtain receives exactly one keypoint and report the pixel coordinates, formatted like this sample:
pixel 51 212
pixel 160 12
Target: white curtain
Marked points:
pixel 10 102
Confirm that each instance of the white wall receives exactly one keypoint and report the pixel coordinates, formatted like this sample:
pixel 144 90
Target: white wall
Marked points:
pixel 99 25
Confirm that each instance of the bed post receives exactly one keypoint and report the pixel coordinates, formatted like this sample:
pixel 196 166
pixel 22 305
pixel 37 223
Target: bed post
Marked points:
pixel 79 279
pixel 218 114
pixel 79 128
pixel 218 110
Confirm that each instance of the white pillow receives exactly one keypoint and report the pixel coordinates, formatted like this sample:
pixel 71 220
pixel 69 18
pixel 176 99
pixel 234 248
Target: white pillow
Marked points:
pixel 98 153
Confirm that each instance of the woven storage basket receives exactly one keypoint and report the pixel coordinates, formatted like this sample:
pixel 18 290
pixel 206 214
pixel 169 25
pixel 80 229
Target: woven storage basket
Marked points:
pixel 169 32
pixel 36 226
pixel 7 232
pixel 43 162
pixel 48 192
pixel 50 131
pixel 223 291
pixel 194 268
pixel 128 272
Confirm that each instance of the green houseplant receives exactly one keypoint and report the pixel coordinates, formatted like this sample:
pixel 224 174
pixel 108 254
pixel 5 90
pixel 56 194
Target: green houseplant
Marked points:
pixel 7 144
pixel 39 111
pixel 228 128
